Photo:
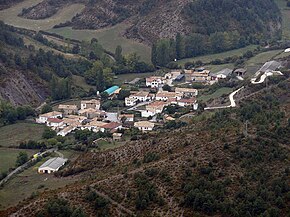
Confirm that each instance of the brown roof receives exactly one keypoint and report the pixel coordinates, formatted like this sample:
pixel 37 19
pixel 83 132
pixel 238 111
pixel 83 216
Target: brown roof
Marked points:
pixel 49 114
pixel 61 106
pixel 54 120
pixel 112 125
pixel 188 100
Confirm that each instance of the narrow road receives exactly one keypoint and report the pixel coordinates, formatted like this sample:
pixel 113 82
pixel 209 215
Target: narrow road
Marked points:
pixel 264 76
pixel 22 167
pixel 231 97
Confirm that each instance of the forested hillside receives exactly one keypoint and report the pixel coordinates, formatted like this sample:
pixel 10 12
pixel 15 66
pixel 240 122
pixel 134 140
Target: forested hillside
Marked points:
pixel 29 74
pixel 151 20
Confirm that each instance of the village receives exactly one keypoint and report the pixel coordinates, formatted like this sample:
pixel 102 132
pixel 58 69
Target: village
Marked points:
pixel 144 108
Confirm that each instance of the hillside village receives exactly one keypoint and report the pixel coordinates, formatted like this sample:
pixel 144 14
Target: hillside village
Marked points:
pixel 146 108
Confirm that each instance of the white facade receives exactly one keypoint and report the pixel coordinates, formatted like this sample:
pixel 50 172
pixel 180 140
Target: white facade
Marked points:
pixel 130 101
pixel 52 165
pixel 42 119
pixel 95 104
pixel 147 113
pixel 154 82
pixel 144 126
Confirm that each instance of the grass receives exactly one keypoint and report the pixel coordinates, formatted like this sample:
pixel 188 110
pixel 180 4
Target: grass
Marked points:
pixel 80 81
pixel 12 135
pixel 210 57
pixel 10 16
pixel 285 18
pixel 104 145
pixel 27 182
pixel 109 38
pixel 216 94
pixel 8 157
pixel 129 77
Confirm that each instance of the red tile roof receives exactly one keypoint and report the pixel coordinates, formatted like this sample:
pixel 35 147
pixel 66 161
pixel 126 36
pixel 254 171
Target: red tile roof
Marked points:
pixel 112 125
pixel 54 120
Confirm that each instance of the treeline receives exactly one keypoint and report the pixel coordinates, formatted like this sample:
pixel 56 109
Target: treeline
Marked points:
pixel 10 114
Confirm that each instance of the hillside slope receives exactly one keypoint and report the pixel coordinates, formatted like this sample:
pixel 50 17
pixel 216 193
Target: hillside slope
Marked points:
pixel 212 167
pixel 151 20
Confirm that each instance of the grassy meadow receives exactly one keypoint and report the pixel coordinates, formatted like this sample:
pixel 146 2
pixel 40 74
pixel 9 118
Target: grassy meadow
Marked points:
pixel 8 157
pixel 12 135
pixel 211 57
pixel 109 38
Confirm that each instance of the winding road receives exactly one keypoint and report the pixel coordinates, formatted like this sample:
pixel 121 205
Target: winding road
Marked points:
pixel 231 97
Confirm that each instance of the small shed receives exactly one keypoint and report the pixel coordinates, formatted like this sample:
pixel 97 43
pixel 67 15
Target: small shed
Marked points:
pixel 179 77
pixel 240 71
pixel 52 165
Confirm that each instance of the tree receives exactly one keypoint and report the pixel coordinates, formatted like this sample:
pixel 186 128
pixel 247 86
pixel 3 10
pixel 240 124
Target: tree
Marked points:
pixel 46 108
pixel 22 158
pixel 180 46
pixel 166 87
pixel 48 133
pixel 76 49
pixel 118 55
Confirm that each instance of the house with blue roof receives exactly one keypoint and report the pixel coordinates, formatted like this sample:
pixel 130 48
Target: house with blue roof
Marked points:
pixel 112 90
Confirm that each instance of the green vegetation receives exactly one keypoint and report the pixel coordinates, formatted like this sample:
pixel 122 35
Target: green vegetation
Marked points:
pixel 10 16
pixel 109 38
pixel 8 158
pixel 58 207
pixel 12 135
pixel 218 93
pixel 211 57
pixel 282 4
pixel 22 158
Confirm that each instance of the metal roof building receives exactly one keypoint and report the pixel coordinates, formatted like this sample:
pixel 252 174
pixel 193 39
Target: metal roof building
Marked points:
pixel 111 90
pixel 52 165
pixel 270 66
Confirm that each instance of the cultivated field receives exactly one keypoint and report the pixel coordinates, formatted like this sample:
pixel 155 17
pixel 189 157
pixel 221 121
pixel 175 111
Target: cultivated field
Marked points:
pixel 12 135
pixel 211 57
pixel 10 16
pixel 129 77
pixel 8 157
pixel 109 38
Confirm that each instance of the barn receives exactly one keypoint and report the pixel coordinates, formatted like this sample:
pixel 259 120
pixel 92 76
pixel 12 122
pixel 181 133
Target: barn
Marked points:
pixel 52 165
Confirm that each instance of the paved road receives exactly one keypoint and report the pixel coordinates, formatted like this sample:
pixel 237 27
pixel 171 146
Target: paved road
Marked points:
pixel 264 76
pixel 231 97
pixel 22 167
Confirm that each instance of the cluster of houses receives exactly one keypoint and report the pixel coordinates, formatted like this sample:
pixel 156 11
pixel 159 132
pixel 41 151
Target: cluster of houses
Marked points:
pixel 89 115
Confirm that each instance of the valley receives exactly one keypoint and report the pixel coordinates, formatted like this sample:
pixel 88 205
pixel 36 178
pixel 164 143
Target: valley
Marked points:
pixel 144 108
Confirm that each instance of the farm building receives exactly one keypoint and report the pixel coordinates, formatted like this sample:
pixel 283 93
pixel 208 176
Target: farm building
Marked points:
pixel 52 165
pixel 112 90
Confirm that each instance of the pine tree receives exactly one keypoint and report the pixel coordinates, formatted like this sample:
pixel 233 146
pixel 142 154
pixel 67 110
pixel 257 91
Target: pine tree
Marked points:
pixel 180 46
pixel 118 55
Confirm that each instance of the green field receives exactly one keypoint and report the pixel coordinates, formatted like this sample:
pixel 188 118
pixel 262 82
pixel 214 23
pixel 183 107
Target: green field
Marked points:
pixel 8 157
pixel 109 38
pixel 80 81
pixel 27 182
pixel 210 57
pixel 216 94
pixel 285 18
pixel 12 135
pixel 10 16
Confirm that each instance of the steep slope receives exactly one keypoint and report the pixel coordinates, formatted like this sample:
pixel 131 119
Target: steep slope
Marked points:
pixel 151 20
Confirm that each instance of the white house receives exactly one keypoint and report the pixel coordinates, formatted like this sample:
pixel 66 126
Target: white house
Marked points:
pixel 187 91
pixel 144 125
pixel 141 96
pixel 130 101
pixel 66 130
pixel 153 109
pixel 93 103
pixel 42 119
pixel 187 102
pixel 154 81
pixel 52 165
pixel 126 117
pixel 54 122
pixel 165 95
